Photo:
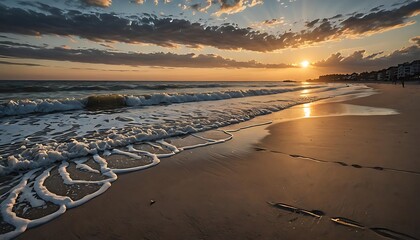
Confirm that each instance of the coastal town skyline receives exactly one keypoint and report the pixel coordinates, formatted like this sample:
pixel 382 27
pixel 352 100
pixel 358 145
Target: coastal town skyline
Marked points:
pixel 203 40
pixel 401 72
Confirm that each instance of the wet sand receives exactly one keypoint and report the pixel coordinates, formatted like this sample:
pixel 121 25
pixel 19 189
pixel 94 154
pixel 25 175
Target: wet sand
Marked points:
pixel 221 192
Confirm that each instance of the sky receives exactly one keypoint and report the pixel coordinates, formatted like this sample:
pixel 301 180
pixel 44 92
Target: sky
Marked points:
pixel 204 40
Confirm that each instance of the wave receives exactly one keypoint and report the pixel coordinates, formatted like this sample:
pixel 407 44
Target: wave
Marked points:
pixel 44 154
pixel 110 101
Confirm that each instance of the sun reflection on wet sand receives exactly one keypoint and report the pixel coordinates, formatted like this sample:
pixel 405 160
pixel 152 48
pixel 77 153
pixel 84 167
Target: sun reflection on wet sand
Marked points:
pixel 307 110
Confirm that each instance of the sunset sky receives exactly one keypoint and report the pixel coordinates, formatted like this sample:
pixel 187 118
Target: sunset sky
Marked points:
pixel 204 40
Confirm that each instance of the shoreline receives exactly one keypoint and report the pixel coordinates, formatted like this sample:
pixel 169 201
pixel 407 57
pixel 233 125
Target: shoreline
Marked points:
pixel 204 194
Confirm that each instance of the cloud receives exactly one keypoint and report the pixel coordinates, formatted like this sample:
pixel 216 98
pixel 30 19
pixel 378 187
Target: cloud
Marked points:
pixel 269 23
pixel 416 40
pixel 402 3
pixel 204 6
pixel 226 6
pixel 235 6
pixel 360 60
pixel 21 64
pixel 16 44
pixel 169 32
pixel 97 3
pixel 336 16
pixel 380 21
pixel 311 24
pixel 378 8
pixel 158 59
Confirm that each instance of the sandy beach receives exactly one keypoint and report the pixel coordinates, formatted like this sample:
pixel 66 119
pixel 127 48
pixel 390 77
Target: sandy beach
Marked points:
pixel 362 168
pixel 210 119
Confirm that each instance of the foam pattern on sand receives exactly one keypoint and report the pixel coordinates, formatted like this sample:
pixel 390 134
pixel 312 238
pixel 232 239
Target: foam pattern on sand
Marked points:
pixel 33 191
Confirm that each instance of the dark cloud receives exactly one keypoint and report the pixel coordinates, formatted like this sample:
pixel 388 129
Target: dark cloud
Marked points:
pixel 379 21
pixel 416 40
pixel 21 64
pixel 375 9
pixel 196 6
pixel 311 24
pixel 107 70
pixel 336 16
pixel 402 3
pixel 159 59
pixel 360 60
pixel 168 32
pixel 43 7
pixel 16 44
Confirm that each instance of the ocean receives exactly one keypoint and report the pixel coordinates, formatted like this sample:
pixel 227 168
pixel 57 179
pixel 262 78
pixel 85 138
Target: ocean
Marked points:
pixel 75 132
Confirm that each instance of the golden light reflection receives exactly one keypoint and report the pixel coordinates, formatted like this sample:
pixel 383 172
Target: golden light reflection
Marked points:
pixel 304 93
pixel 307 110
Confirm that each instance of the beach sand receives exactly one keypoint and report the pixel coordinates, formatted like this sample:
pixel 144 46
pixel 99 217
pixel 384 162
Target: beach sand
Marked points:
pixel 221 192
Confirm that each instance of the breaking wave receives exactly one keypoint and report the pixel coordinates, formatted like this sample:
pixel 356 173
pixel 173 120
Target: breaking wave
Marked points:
pixel 27 106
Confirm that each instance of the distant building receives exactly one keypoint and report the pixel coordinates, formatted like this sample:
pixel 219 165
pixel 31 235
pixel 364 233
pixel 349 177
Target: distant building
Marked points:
pixel 408 71
pixel 415 68
pixel 354 76
pixel 373 76
pixel 332 77
pixel 403 70
pixel 368 76
pixel 391 73
pixel 381 75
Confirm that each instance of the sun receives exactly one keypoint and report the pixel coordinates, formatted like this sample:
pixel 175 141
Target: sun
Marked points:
pixel 304 64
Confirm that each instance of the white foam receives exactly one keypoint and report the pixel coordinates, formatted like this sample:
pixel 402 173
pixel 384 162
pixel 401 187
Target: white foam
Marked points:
pixel 86 168
pixel 65 202
pixel 155 161
pixel 165 98
pixel 45 194
pixel 21 224
pixel 169 146
pixel 6 209
pixel 20 107
pixel 62 169
pixel 28 195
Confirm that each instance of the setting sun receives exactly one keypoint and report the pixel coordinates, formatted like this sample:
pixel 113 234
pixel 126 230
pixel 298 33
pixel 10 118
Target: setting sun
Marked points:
pixel 304 64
